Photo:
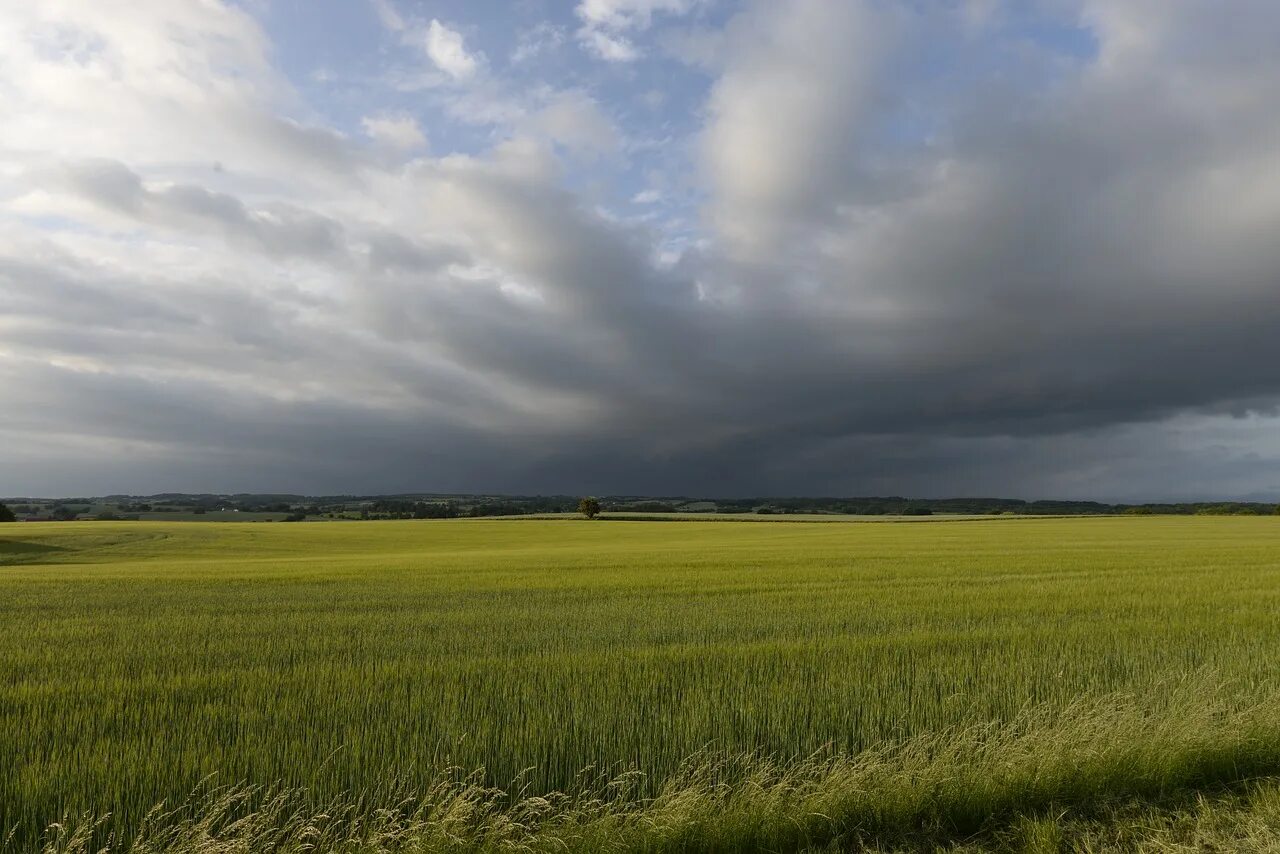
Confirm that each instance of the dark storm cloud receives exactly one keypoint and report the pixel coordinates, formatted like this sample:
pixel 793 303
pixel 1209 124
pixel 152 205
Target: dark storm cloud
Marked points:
pixel 1067 284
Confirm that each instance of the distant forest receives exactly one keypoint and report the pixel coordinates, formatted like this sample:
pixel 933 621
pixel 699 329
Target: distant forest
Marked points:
pixel 298 508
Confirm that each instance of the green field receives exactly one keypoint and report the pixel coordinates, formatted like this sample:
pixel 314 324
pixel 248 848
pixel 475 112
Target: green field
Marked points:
pixel 213 516
pixel 795 684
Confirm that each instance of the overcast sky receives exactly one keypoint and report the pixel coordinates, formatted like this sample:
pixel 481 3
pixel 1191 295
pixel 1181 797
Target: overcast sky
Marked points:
pixel 922 247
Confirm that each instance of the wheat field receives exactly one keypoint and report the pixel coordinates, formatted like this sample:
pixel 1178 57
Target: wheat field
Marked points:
pixel 624 685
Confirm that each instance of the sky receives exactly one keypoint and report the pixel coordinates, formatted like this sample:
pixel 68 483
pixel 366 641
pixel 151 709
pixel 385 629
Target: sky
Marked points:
pixel 669 247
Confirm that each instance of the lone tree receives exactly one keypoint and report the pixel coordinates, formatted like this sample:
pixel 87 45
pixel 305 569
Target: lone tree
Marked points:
pixel 6 515
pixel 589 507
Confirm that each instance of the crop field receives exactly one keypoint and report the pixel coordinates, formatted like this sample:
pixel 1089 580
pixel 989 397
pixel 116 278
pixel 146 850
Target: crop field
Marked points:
pixel 625 685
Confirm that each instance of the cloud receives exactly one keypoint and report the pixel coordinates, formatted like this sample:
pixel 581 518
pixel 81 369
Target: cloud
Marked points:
pixel 576 121
pixel 789 116
pixel 611 48
pixel 1051 274
pixel 447 50
pixel 277 228
pixel 388 15
pixel 628 14
pixel 605 24
pixel 400 131
pixel 539 40
pixel 196 76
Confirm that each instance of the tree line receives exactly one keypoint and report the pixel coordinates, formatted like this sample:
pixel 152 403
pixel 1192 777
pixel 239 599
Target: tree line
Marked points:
pixel 300 508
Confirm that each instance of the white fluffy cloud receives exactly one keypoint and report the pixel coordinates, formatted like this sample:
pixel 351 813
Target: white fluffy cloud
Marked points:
pixel 607 46
pixel 448 51
pixel 626 14
pixel 605 24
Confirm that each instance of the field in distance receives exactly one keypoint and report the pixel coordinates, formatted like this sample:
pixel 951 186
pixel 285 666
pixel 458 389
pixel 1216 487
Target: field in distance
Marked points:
pixel 632 516
pixel 744 686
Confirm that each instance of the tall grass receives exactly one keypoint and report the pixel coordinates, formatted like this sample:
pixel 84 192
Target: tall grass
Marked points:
pixel 982 782
pixel 733 685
